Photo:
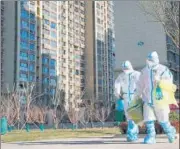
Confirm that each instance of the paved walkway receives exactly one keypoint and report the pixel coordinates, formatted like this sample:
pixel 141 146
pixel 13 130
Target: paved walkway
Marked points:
pixel 93 143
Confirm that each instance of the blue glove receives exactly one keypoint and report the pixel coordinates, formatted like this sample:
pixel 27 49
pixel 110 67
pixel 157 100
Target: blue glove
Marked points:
pixel 159 94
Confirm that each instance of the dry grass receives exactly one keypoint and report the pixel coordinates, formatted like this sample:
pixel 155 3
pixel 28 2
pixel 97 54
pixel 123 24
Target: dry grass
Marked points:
pixel 49 134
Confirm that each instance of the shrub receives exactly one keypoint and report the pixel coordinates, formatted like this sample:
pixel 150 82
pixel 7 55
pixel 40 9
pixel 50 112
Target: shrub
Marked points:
pixel 176 125
pixel 174 116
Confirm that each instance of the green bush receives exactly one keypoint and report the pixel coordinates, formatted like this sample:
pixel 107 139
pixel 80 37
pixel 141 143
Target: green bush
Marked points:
pixel 174 116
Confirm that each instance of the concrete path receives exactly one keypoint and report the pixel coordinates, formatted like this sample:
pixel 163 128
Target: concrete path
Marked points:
pixel 117 142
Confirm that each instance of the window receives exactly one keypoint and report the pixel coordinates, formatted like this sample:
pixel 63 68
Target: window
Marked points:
pixel 23 55
pixel 46 12
pixel 46 41
pixel 31 78
pixel 53 15
pixel 24 14
pixel 53 82
pixel 77 72
pixel 46 31
pixel 23 77
pixel 32 46
pixel 32 27
pixel 52 62
pixel 54 44
pixel 32 36
pixel 31 57
pixel 53 25
pixel 53 34
pixel 76 9
pixel 24 24
pixel 52 91
pixel 45 60
pixel 32 67
pixel 45 80
pixel 24 34
pixel 32 16
pixel 52 72
pixel 23 66
pixel 24 45
pixel 45 70
pixel 82 4
pixel 98 5
pixel 46 22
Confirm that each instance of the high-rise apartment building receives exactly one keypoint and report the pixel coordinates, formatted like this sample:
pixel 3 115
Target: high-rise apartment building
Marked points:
pixel 46 42
pixel 100 49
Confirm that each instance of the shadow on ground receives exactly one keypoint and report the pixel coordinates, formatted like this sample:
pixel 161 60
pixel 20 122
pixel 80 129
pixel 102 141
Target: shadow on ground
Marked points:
pixel 91 141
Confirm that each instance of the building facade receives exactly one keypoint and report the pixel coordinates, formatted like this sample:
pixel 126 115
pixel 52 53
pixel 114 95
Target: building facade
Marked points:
pixel 47 42
pixel 100 38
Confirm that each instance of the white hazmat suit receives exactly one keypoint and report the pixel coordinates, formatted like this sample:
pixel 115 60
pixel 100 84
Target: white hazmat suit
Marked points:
pixel 125 86
pixel 150 76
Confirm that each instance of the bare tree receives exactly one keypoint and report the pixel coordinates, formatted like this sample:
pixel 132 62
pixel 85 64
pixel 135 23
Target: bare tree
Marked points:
pixel 165 12
pixel 32 112
pixel 102 111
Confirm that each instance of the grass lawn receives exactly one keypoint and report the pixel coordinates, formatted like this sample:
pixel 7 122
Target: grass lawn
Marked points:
pixel 33 135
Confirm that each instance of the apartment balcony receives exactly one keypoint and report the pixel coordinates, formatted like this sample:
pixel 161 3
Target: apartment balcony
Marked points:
pixel 64 39
pixel 46 36
pixel 65 56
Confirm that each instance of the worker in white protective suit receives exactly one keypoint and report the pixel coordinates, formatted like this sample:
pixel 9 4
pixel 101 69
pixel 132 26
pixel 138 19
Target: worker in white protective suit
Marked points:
pixel 125 86
pixel 150 76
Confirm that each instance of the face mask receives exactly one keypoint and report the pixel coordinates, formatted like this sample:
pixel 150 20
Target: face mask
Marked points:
pixel 127 71
pixel 150 64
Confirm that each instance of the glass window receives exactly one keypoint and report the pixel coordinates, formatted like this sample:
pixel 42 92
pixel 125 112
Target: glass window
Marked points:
pixel 52 62
pixel 32 36
pixel 32 67
pixel 23 55
pixel 53 82
pixel 24 14
pixel 32 27
pixel 31 78
pixel 82 4
pixel 53 25
pixel 52 72
pixel 24 45
pixel 46 22
pixel 24 24
pixel 46 12
pixel 52 91
pixel 45 60
pixel 32 46
pixel 53 15
pixel 45 80
pixel 45 70
pixel 25 65
pixel 31 57
pixel 46 41
pixel 24 34
pixel 53 34
pixel 98 5
pixel 77 72
pixel 177 59
pixel 32 16
pixel 54 44
pixel 46 31
pixel 23 77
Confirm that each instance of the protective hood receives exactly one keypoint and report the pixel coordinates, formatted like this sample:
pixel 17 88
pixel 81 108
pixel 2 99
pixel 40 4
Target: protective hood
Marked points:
pixel 152 60
pixel 127 67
